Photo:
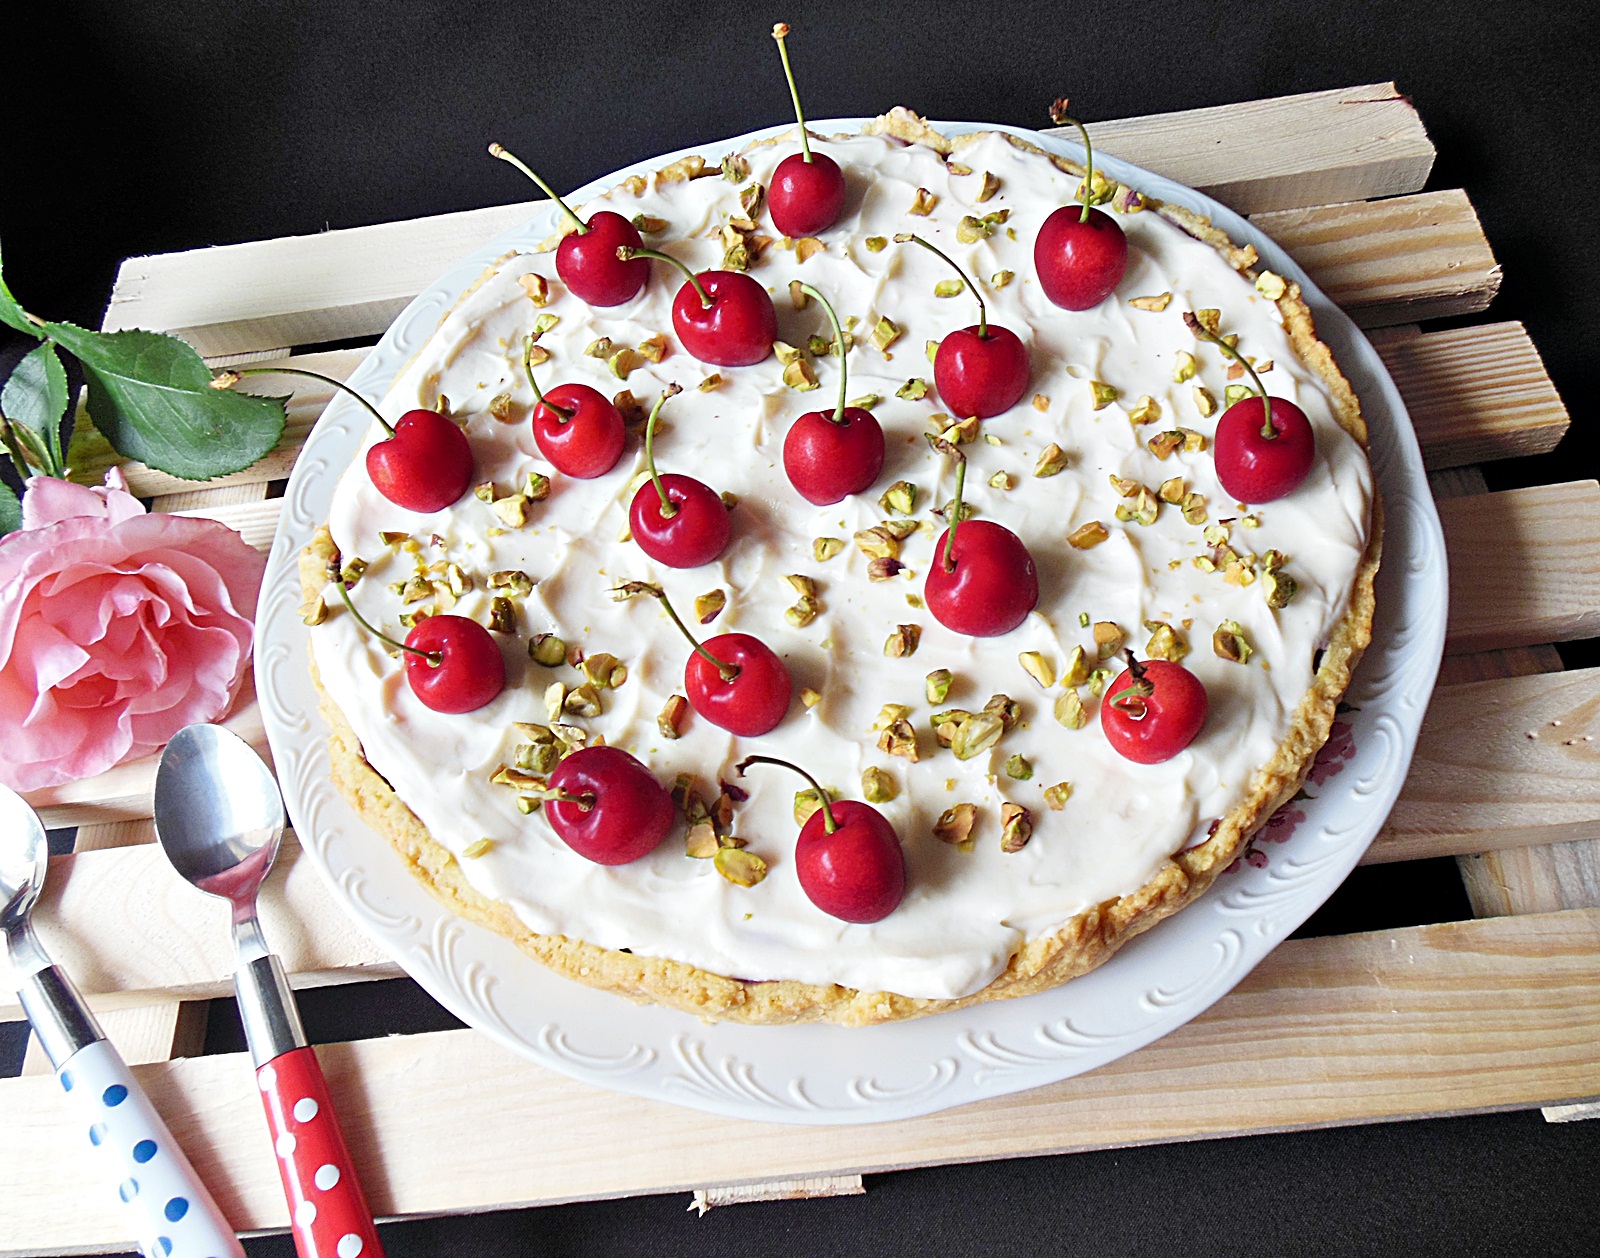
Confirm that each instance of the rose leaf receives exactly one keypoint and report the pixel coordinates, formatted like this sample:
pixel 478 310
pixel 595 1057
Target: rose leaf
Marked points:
pixel 35 399
pixel 14 315
pixel 151 397
pixel 10 510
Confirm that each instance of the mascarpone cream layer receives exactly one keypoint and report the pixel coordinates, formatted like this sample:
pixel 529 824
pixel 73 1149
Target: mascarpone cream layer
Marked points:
pixel 965 913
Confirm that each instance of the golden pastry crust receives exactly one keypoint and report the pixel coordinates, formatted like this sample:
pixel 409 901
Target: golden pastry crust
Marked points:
pixel 1079 944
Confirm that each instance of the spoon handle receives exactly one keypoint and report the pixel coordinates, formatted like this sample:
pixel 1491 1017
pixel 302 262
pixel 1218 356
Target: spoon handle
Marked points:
pixel 167 1204
pixel 327 1208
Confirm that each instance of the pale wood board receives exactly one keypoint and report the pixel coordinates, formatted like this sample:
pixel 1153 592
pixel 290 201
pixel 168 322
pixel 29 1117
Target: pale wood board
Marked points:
pixel 708 1199
pixel 1437 1019
pixel 159 1031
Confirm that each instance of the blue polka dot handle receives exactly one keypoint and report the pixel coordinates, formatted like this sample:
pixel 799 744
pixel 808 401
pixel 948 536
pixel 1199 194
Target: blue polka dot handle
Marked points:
pixel 169 1211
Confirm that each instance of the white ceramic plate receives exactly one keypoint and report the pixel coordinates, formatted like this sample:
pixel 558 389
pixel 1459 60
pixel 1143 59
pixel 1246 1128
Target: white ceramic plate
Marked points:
pixel 825 1074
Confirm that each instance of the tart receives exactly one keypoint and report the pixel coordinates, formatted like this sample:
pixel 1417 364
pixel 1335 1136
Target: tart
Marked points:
pixel 1270 606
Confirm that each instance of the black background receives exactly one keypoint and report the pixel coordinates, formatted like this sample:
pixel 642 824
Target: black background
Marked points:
pixel 158 125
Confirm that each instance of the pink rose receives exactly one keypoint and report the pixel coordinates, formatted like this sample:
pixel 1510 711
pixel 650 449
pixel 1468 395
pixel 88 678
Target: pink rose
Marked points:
pixel 117 629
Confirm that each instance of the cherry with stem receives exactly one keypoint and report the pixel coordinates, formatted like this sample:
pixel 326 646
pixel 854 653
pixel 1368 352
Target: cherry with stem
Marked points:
pixel 807 189
pixel 425 464
pixel 1264 447
pixel 848 857
pixel 606 805
pixel 980 370
pixel 984 583
pixel 576 427
pixel 676 520
pixel 830 455
pixel 452 664
pixel 1153 710
pixel 586 258
pixel 734 680
pixel 1080 255
pixel 724 318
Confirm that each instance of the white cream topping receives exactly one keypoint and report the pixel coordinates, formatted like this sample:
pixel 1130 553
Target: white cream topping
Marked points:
pixel 965 913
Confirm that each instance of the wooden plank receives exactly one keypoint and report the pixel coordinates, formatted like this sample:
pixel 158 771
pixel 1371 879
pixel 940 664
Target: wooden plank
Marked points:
pixel 188 500
pixel 1524 566
pixel 707 1199
pixel 256 522
pixel 1463 1016
pixel 1349 144
pixel 1396 261
pixel 1476 394
pixel 160 1031
pixel 1501 764
pixel 1520 880
pixel 93 838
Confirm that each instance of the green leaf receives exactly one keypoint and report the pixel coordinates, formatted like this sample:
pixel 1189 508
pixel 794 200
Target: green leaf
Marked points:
pixel 35 397
pixel 10 510
pixel 151 396
pixel 13 314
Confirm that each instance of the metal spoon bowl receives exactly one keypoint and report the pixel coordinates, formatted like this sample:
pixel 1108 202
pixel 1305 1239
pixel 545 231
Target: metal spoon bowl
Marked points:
pixel 24 861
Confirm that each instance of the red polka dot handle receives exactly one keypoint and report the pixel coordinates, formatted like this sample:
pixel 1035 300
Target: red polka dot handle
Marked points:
pixel 326 1206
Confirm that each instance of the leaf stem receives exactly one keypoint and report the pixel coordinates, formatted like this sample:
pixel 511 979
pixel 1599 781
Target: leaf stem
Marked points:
pixel 13 445
pixel 498 150
pixel 780 32
pixel 223 381
pixel 629 252
pixel 1268 431
pixel 829 822
pixel 434 658
pixel 911 238
pixel 527 366
pixel 838 340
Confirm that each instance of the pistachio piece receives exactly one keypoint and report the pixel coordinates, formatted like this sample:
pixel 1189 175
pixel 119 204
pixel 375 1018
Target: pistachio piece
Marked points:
pixel 1006 708
pixel 1157 303
pixel 1271 286
pixel 1146 411
pixel 1019 768
pixel 878 543
pixel 958 168
pixel 1164 443
pixel 945 725
pixel 415 590
pixel 1038 666
pixel 807 802
pixel 742 868
pixel 1210 319
pixel 1069 709
pixel 599 348
pixel 583 701
pixel 1052 459
pixel 876 244
pixel 1108 638
pixel 889 714
pixel 1166 643
pixel 1237 393
pixel 1194 508
pixel 884 569
pixel 923 202
pixel 899 529
pixel 1145 508
pixel 1099 189
pixel 1075 672
pixel 1279 589
pixel 823 549
pixel 900 497
pixel 1262 367
pixel 903 641
pixel 512 510
pixel 1002 480
pixel 314 611
pixel 672 716
pixel 900 739
pixel 955 825
pixel 808 247
pixel 1230 643
pixel 735 169
pixel 352 571
pixel 599 668
pixel 810 697
pixel 536 488
pixel 1126 200
pixel 477 848
pixel 502 615
pixel 803 612
pixel 1088 536
pixel 555 698
pixel 1104 394
pixel 877 787
pixel 518 582
pixel 547 649
pixel 930 350
pixel 701 841
pixel 536 287
pixel 500 408
pixel 977 735
pixel 1016 827
pixel 1001 278
pixel 884 334
pixel 937 685
pixel 799 376
pixel 913 390
pixel 1056 796
pixel 1171 491
pixel 970 230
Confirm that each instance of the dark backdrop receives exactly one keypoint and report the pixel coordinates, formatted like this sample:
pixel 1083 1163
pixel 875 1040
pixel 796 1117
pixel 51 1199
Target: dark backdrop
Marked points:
pixel 160 125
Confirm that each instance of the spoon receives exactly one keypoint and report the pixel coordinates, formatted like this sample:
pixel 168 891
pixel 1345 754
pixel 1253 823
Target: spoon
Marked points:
pixel 165 1200
pixel 219 818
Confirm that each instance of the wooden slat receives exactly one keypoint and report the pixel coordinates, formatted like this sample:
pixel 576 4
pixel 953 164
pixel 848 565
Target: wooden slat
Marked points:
pixel 1350 144
pixel 1476 394
pixel 1396 261
pixel 92 838
pixel 1438 1019
pixel 211 496
pixel 1524 566
pixel 1535 880
pixel 708 1199
pixel 159 1031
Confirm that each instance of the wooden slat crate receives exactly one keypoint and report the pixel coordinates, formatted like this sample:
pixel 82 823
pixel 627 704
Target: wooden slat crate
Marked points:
pixel 1494 1013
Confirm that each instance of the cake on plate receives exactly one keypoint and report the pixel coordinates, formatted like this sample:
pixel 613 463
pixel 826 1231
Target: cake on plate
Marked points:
pixel 1033 846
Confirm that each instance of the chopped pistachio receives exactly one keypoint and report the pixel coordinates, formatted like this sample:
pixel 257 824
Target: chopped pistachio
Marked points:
pixel 555 698
pixel 672 716
pixel 1125 486
pixel 1205 401
pixel 807 802
pixel 477 848
pixel 735 169
pixel 536 488
pixel 1088 536
pixel 1171 491
pixel 352 571
pixel 701 840
pixel 1164 443
pixel 1235 393
pixel 991 185
pixel 1210 319
pixel 1157 303
pixel 1238 572
pixel 810 697
pixel 536 286
pixel 970 230
pixel 923 202
pixel 1279 589
pixel 803 612
pixel 415 590
pixel 937 685
pixel 729 500
pixel 955 826
pixel 1147 411
pixel 877 787
pixel 1262 367
pixel 913 390
pixel 599 348
pixel 1006 708
pixel 1166 643
pixel 876 244
pixel 1252 521
pixel 583 701
pixel 1099 680
pixel 799 376
pixel 899 529
pixel 751 200
pixel 1069 709
pixel 900 739
pixel 962 431
pixel 1038 666
pixel 1104 394
pixel 484 492
pixel 786 353
pixel 313 612
pixel 742 868
pixel 1099 189
pixel 958 168
pixel 512 510
pixel 824 548
pixel 1108 638
pixel 808 247
pixel 1016 827
pixel 889 714
pixel 968 510
pixel 1002 480
pixel 884 569
pixel 878 543
pixel 1019 768
pixel 1194 508
pixel 1230 643
pixel 1217 534
pixel 900 497
pixel 930 350
pixel 601 667
pixel 1145 508
pixel 1041 402
pixel 1052 459
pixel 686 795
pixel 903 641
pixel 1271 286
pixel 654 347
pixel 1075 672
pixel 1001 278
pixel 502 615
pixel 518 582
pixel 884 334
pixel 500 407
pixel 977 735
pixel 945 725
pixel 1126 200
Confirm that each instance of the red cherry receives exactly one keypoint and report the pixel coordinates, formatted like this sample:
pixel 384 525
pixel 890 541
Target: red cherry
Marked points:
pixel 425 465
pixel 1079 263
pixel 1148 729
pixel 627 814
pixel 857 873
pixel 736 330
pixel 453 665
pixel 1254 467
pixel 695 533
pixel 805 197
pixel 981 372
pixel 751 702
pixel 586 441
pixel 827 461
pixel 588 265
pixel 994 585
pixel 586 259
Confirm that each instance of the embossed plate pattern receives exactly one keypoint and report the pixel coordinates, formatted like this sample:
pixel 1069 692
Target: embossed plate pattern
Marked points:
pixel 825 1074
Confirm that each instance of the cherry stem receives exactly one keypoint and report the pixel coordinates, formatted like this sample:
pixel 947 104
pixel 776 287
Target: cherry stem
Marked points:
pixel 1131 699
pixel 838 340
pixel 1060 119
pixel 434 658
pixel 585 801
pixel 829 822
pixel 955 516
pixel 779 32
pixel 310 375
pixel 527 366
pixel 983 312
pixel 628 252
pixel 668 507
pixel 1268 432
pixel 578 225
pixel 727 671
